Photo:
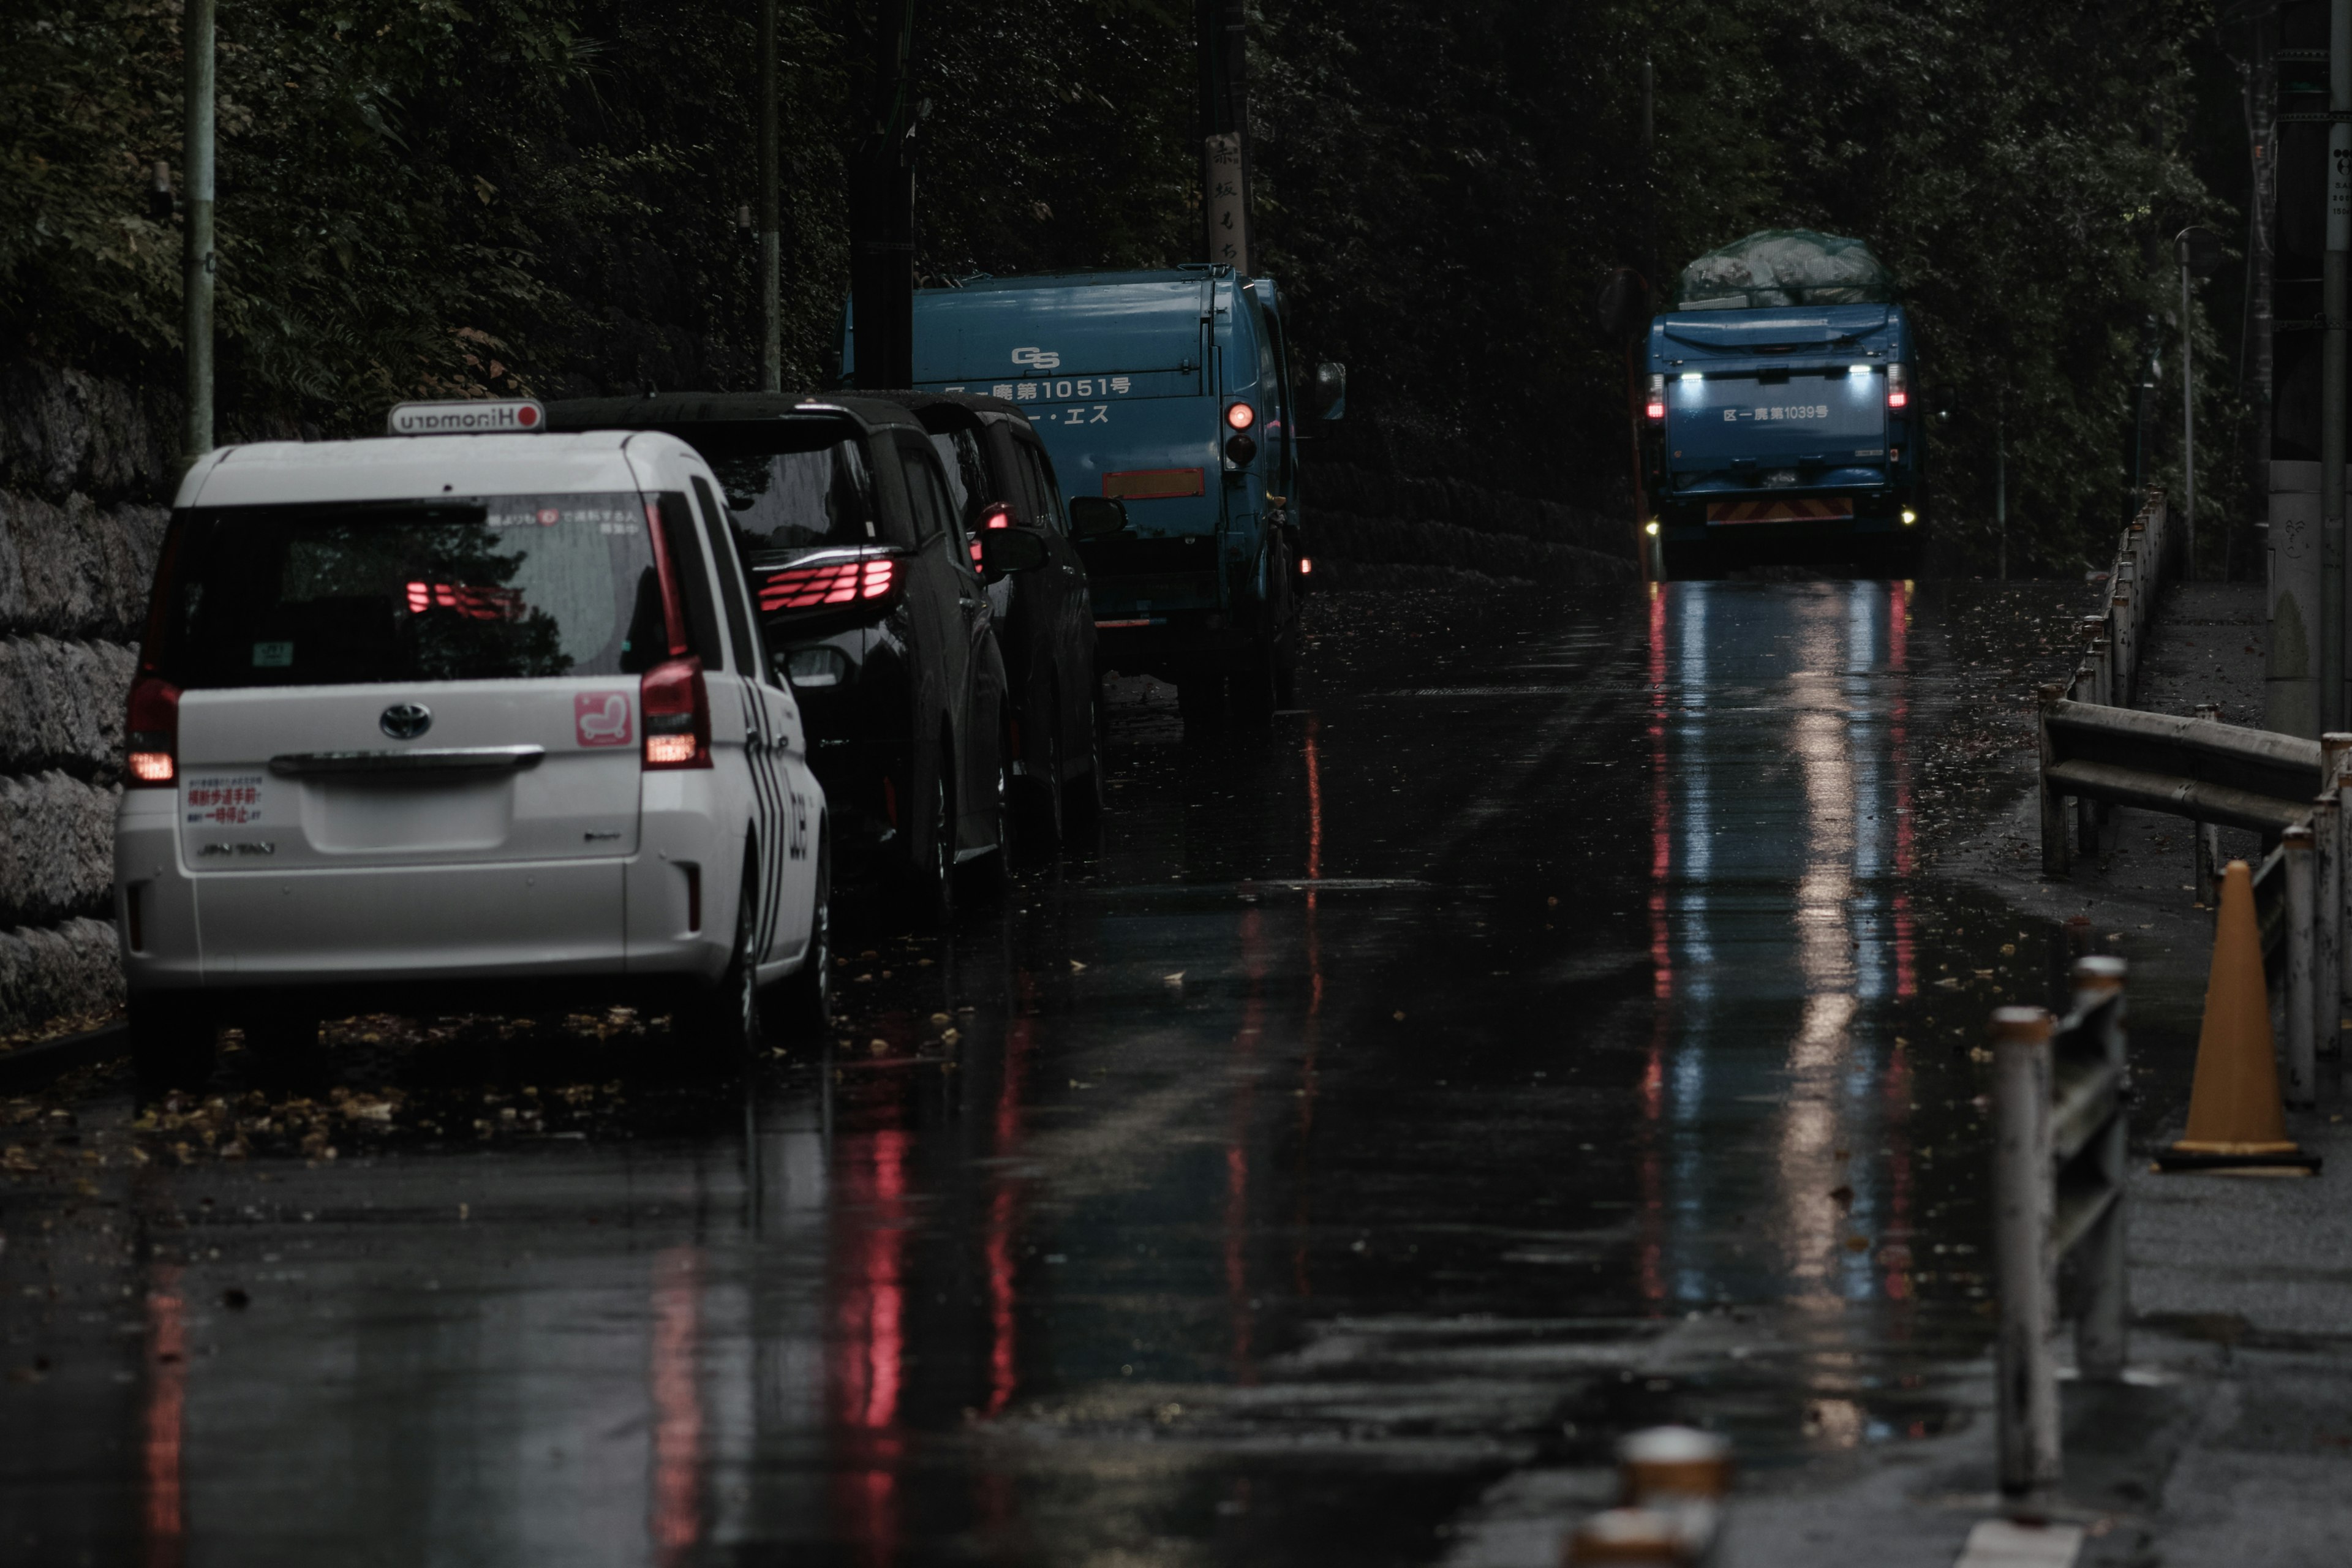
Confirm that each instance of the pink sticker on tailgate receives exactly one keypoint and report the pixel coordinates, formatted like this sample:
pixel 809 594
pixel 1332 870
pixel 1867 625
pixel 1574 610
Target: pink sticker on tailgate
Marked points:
pixel 601 718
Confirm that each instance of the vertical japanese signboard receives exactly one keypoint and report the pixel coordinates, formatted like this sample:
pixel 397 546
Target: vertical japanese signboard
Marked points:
pixel 1228 210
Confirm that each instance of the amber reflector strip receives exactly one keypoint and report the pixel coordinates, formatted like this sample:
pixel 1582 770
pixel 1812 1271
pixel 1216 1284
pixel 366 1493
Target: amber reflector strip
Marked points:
pixel 1153 484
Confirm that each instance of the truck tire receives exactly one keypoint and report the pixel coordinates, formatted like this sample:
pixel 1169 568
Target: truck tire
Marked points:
pixel 1690 561
pixel 1200 699
pixel 1254 685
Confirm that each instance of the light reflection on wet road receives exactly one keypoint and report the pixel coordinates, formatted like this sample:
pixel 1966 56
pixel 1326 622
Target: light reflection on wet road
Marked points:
pixel 1508 1049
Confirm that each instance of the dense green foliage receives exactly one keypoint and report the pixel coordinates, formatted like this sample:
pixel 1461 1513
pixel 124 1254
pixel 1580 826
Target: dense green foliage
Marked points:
pixel 440 196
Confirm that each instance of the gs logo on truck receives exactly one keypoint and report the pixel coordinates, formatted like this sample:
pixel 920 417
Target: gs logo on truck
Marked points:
pixel 1037 359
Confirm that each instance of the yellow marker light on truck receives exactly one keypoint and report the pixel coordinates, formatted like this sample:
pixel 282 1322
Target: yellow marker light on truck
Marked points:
pixel 1651 528
pixel 1909 517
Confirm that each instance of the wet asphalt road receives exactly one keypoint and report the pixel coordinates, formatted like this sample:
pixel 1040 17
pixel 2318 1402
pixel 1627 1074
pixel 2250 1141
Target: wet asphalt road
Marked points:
pixel 1545 1031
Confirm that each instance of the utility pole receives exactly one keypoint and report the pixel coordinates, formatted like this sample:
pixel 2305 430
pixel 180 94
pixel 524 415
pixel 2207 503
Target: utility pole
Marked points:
pixel 197 40
pixel 1222 31
pixel 2331 364
pixel 2261 252
pixel 2000 488
pixel 882 212
pixel 1650 263
pixel 2199 254
pixel 771 251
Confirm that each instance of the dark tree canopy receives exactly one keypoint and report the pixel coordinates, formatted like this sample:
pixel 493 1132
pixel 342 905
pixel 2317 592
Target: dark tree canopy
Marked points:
pixel 425 197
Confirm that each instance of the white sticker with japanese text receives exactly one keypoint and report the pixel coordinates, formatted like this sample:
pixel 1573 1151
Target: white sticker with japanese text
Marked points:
pixel 221 800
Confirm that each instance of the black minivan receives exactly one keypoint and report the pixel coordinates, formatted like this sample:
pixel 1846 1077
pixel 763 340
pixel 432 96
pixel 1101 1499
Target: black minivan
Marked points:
pixel 875 606
pixel 1001 478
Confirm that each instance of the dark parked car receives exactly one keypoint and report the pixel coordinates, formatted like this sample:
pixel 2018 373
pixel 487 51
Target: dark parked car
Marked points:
pixel 997 467
pixel 875 607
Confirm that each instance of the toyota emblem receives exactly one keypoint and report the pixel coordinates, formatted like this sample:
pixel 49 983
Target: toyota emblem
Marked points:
pixel 406 721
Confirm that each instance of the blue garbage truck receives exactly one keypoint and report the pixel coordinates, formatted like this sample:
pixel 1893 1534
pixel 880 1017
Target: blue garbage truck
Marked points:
pixel 1782 421
pixel 1166 405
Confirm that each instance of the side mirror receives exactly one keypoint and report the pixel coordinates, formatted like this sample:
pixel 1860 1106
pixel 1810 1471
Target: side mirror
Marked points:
pixel 1330 390
pixel 1004 551
pixel 1092 517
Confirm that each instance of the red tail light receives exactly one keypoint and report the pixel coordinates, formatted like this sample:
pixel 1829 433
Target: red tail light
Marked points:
pixel 1241 416
pixel 1898 385
pixel 836 582
pixel 1658 406
pixel 151 736
pixel 676 708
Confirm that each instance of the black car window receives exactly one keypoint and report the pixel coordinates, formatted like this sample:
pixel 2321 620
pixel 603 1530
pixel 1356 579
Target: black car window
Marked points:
pixel 1049 490
pixel 785 502
pixel 925 488
pixel 730 579
pixel 968 485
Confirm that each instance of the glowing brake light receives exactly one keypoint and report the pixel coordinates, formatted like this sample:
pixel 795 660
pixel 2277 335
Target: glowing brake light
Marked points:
pixel 153 738
pixel 677 707
pixel 998 517
pixel 1241 416
pixel 1898 385
pixel 1657 409
pixel 836 582
pixel 475 604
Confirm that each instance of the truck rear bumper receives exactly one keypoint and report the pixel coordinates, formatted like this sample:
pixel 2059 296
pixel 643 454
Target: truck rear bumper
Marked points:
pixel 1172 643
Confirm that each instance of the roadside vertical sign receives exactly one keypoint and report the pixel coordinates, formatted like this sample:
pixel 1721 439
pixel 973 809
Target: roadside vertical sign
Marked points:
pixel 1228 219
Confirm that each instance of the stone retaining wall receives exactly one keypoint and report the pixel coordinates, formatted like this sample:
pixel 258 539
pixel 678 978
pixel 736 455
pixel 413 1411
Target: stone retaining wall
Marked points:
pixel 85 471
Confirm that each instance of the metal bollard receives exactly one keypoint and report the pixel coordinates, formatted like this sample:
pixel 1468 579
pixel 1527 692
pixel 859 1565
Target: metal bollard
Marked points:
pixel 2208 839
pixel 2326 923
pixel 2022 1200
pixel 2126 653
pixel 2301 1073
pixel 2053 804
pixel 2102 1342
pixel 2336 777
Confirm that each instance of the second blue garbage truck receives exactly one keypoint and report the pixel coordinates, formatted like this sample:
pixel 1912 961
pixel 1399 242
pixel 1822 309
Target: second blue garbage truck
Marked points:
pixel 1168 393
pixel 1782 420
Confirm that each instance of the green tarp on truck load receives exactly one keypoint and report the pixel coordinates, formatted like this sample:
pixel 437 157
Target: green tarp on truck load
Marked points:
pixel 1785 266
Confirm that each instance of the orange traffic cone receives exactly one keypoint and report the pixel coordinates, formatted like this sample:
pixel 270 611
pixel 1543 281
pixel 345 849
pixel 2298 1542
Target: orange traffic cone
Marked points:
pixel 2236 1120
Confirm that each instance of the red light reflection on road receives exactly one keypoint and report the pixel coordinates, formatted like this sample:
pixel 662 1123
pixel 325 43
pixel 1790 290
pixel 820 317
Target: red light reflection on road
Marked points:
pixel 1898 641
pixel 1237 1156
pixel 868 1344
pixel 1004 1206
pixel 677 1403
pixel 167 1393
pixel 1662 960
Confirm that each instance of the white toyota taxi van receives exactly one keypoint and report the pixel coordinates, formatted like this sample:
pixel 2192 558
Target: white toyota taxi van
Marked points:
pixel 461 722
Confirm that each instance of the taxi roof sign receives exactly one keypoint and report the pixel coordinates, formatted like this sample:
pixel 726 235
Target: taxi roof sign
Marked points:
pixel 472 417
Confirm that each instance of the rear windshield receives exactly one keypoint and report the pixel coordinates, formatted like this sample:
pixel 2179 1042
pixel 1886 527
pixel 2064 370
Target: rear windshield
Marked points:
pixel 485 588
pixel 787 493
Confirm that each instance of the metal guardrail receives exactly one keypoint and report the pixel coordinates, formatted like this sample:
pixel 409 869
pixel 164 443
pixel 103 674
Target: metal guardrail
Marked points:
pixel 2059 1144
pixel 2109 671
pixel 2199 768
pixel 2297 794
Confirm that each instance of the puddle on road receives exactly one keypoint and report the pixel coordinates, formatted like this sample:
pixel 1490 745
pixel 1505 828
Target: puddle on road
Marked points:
pixel 1400 1099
